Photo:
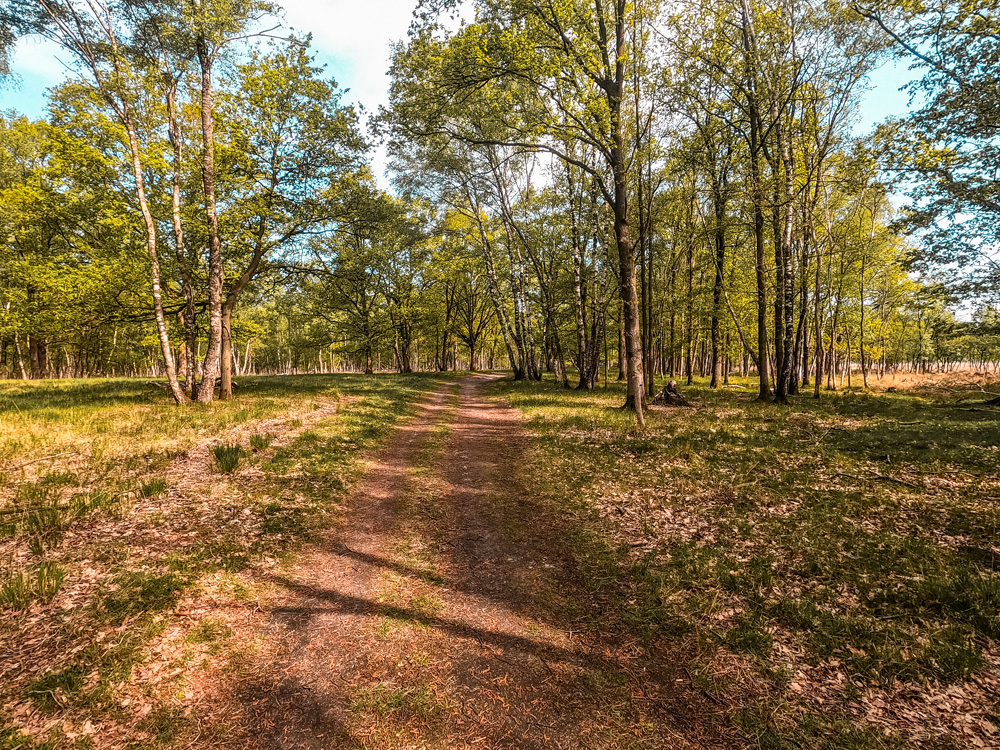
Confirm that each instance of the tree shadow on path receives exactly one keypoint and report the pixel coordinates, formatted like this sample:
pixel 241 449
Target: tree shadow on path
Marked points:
pixel 500 662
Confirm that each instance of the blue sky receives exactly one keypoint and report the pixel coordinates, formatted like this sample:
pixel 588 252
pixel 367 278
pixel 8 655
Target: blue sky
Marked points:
pixel 353 39
pixel 883 98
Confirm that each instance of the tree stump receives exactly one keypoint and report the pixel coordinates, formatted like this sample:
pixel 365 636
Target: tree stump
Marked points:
pixel 670 396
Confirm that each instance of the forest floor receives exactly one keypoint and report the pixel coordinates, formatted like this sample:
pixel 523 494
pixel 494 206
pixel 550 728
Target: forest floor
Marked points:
pixel 122 534
pixel 432 562
pixel 833 564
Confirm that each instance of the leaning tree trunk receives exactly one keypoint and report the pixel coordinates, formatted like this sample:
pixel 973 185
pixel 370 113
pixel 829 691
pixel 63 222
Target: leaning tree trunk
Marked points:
pixel 498 305
pixel 154 258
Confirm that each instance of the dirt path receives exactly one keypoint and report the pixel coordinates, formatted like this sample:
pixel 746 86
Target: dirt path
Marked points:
pixel 442 613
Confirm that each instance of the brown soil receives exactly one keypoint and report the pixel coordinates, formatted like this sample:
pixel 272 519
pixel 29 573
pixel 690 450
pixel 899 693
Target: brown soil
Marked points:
pixel 445 613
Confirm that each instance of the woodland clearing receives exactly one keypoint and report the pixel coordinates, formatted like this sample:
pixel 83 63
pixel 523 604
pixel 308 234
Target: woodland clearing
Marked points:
pixel 548 575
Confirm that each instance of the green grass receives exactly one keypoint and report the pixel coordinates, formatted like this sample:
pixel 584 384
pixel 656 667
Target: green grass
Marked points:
pixel 14 739
pixel 858 532
pixel 227 457
pixel 208 630
pixel 260 442
pixel 52 689
pixel 383 699
pixel 39 583
pixel 140 593
pixel 154 487
pixel 164 724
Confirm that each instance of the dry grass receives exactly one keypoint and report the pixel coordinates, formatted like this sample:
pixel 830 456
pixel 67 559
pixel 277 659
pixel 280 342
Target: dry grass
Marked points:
pixel 111 487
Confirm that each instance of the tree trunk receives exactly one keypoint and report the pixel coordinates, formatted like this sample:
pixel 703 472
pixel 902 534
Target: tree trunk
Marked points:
pixel 626 258
pixel 19 356
pixel 621 347
pixel 787 286
pixel 720 260
pixel 154 257
pixel 861 332
pixel 226 363
pixel 579 304
pixel 689 315
pixel 37 357
pixel 213 355
pixel 187 283
pixel 757 198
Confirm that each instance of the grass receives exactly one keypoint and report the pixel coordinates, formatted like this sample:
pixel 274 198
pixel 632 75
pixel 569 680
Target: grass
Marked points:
pixel 383 699
pixel 846 546
pixel 164 723
pixel 50 690
pixel 815 559
pixel 260 442
pixel 208 630
pixel 96 507
pixel 227 457
pixel 40 583
pixel 137 592
pixel 154 487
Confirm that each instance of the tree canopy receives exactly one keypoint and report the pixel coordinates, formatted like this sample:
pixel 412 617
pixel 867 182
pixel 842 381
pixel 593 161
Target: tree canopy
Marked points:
pixel 576 188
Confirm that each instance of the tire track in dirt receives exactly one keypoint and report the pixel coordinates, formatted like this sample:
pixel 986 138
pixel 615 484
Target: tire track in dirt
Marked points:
pixel 525 679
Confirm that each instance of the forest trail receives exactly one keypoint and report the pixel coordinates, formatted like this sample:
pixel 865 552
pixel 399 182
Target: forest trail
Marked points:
pixel 441 614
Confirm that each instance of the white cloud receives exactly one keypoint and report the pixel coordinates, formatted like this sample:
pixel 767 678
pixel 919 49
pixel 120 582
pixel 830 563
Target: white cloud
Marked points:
pixel 354 38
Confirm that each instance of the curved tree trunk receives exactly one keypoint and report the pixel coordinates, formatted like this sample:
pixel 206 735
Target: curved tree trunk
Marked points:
pixel 154 259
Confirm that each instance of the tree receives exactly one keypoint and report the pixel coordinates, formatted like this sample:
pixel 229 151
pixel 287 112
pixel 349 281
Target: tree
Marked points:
pixel 101 43
pixel 67 258
pixel 122 46
pixel 536 76
pixel 945 152
pixel 290 151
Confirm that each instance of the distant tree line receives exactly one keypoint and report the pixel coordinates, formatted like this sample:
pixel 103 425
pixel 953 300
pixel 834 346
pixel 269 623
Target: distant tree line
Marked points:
pixel 594 189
